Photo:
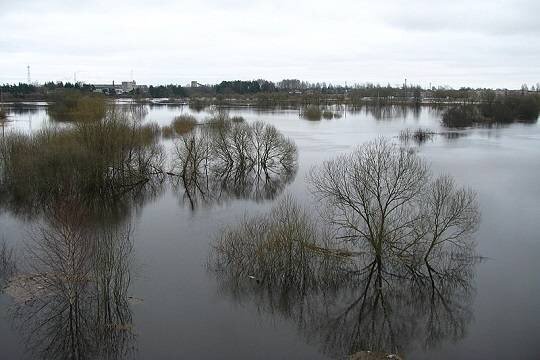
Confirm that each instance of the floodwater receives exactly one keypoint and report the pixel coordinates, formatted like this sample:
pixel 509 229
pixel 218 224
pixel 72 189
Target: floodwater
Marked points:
pixel 173 306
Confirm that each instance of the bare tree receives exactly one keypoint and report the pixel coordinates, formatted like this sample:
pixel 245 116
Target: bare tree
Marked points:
pixel 370 194
pixel 381 197
pixel 226 159
pixel 287 261
pixel 450 216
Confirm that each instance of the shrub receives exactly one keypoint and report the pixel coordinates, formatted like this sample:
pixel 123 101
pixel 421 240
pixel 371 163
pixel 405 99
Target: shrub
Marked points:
pixel 461 116
pixel 237 119
pixel 167 132
pixel 312 113
pixel 328 114
pixel 502 113
pixel 528 108
pixel 419 135
pixel 89 161
pixel 197 104
pixel 181 125
pixel 511 108
pixel 184 124
pixel 73 105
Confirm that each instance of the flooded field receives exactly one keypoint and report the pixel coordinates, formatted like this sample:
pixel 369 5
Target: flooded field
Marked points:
pixel 171 274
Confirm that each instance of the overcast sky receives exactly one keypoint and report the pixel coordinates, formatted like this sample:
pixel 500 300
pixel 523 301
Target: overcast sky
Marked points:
pixel 458 43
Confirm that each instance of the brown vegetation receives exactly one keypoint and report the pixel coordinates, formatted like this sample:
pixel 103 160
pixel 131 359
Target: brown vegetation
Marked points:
pixel 181 125
pixel 96 162
pixel 312 112
pixel 75 106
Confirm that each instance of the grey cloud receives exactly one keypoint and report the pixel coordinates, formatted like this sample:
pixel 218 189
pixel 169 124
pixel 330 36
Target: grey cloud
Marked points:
pixel 477 43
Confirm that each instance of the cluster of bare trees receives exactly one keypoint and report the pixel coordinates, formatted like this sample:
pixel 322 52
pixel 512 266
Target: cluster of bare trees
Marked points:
pixel 234 159
pixel 389 266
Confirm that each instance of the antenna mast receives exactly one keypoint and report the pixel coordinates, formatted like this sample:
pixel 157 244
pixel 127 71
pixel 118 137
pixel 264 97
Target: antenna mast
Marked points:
pixel 28 79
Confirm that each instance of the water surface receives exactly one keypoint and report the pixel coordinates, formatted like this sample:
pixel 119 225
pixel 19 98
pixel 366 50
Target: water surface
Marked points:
pixel 179 309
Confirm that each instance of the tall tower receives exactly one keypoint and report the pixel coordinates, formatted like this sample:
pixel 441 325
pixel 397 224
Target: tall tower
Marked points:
pixel 28 79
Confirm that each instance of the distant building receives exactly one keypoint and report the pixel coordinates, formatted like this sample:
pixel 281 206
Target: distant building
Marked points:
pixel 104 88
pixel 124 88
pixel 128 86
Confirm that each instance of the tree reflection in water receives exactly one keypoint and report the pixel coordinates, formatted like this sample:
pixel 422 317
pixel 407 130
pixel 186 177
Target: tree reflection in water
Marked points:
pixel 365 278
pixel 80 186
pixel 224 160
pixel 73 301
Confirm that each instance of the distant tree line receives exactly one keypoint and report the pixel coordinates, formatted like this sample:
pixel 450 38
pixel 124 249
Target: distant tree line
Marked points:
pixel 268 92
pixel 166 91
pixel 31 91
pixel 19 90
pixel 61 85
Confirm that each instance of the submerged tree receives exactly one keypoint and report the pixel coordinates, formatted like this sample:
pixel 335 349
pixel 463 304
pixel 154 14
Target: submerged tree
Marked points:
pixel 233 159
pixel 388 269
pixel 347 300
pixel 381 198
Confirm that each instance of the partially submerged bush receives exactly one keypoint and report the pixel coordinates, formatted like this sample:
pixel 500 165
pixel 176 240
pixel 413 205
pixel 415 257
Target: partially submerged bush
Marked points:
pixel 237 119
pixel 510 108
pixel 461 116
pixel 419 135
pixel 393 249
pixel 528 108
pixel 505 109
pixel 95 162
pixel 312 112
pixel 282 248
pixel 197 104
pixel 219 118
pixel 328 114
pixel 167 131
pixel 181 125
pixel 184 124
pixel 3 114
pixel 74 105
